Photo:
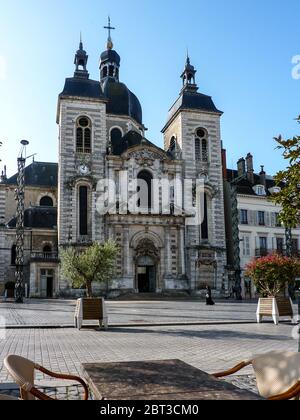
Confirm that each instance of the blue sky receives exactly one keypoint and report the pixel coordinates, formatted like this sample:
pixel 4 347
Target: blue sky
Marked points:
pixel 242 50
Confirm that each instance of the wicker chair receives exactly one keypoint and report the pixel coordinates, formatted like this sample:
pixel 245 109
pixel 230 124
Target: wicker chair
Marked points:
pixel 23 373
pixel 277 375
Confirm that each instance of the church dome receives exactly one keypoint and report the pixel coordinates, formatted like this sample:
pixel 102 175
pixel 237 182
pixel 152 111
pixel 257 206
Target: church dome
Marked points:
pixel 110 56
pixel 121 101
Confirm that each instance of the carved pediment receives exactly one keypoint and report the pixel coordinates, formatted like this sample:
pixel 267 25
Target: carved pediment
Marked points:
pixel 147 248
pixel 146 156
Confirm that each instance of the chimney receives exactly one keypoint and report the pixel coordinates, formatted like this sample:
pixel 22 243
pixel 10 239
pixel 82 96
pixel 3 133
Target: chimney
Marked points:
pixel 224 164
pixel 250 168
pixel 263 179
pixel 241 167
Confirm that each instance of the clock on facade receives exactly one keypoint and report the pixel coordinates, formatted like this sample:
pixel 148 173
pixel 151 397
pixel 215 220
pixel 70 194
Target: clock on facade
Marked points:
pixel 84 169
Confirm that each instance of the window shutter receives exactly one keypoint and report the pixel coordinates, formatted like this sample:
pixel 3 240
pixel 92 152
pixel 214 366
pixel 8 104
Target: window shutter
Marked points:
pixel 257 242
pixel 267 218
pixel 240 216
pixel 273 219
pixel 252 218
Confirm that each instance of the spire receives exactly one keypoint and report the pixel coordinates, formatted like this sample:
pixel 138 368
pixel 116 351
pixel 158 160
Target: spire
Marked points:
pixel 110 59
pixel 81 43
pixel 189 76
pixel 80 61
pixel 110 44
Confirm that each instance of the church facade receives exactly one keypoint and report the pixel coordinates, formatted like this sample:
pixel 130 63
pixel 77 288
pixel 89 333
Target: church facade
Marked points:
pixel 104 163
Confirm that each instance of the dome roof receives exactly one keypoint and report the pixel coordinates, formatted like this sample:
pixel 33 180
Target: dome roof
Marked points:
pixel 110 56
pixel 121 101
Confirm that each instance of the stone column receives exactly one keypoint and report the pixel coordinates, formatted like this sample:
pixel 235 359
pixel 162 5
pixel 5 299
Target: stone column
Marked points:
pixel 168 262
pixel 126 252
pixel 182 250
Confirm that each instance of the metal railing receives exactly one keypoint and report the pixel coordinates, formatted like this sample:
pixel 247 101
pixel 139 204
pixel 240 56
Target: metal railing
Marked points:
pixel 44 256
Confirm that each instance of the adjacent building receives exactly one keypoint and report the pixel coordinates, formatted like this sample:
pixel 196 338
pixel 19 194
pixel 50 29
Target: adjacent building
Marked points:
pixel 259 231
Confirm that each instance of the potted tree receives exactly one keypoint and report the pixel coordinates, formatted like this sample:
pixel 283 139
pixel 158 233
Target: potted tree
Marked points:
pixel 10 289
pixel 95 264
pixel 271 275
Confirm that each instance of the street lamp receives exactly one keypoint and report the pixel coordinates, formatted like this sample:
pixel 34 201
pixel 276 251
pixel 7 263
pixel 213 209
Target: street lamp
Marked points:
pixel 20 198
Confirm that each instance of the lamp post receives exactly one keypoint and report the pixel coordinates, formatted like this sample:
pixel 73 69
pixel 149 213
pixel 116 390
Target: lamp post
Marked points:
pixel 20 198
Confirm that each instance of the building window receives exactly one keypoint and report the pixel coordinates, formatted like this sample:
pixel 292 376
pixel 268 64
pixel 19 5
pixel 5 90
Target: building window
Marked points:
pixel 13 255
pixel 84 135
pixel 279 245
pixel 244 217
pixel 263 246
pixel 201 145
pixel 295 249
pixel 204 226
pixel 104 72
pixel 46 202
pixel 246 246
pixel 111 71
pixel 47 249
pixel 260 190
pixel 83 211
pixel 116 135
pixel 172 144
pixel 198 149
pixel 145 190
pixel 261 218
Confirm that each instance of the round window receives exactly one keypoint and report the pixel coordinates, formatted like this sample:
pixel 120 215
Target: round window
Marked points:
pixel 201 133
pixel 84 122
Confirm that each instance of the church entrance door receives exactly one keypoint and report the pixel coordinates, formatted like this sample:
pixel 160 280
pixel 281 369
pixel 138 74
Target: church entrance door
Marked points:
pixel 146 273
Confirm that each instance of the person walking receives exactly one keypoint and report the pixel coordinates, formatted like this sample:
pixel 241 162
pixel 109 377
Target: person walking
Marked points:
pixel 209 300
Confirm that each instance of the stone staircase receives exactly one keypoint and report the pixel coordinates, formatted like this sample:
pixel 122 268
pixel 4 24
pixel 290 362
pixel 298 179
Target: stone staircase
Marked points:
pixel 153 296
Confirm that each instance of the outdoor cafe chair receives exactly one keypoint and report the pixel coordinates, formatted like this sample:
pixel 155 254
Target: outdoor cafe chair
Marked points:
pixel 277 374
pixel 23 372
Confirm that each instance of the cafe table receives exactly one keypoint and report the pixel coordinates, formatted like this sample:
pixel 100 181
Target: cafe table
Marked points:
pixel 161 380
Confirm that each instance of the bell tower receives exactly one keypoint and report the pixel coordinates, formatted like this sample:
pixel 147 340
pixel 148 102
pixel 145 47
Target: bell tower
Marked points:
pixel 80 61
pixel 194 121
pixel 189 76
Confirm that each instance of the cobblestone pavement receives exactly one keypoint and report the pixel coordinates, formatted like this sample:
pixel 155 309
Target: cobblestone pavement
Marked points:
pixel 209 348
pixel 60 312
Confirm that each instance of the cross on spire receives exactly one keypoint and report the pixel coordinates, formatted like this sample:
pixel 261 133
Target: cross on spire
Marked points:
pixel 109 28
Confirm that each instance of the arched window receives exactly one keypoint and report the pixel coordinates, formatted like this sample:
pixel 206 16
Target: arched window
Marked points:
pixel 145 201
pixel 197 148
pixel 201 145
pixel 13 255
pixel 173 144
pixel 83 211
pixel 104 72
pixel 111 71
pixel 116 135
pixel 46 202
pixel 47 249
pixel 84 135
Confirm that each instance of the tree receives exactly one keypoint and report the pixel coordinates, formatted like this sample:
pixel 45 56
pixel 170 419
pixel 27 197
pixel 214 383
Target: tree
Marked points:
pixel 272 274
pixel 289 196
pixel 96 264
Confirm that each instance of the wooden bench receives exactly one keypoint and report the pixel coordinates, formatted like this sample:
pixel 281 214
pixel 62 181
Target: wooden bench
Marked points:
pixel 91 310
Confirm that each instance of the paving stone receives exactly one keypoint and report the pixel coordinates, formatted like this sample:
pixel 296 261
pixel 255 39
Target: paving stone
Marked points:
pixel 211 348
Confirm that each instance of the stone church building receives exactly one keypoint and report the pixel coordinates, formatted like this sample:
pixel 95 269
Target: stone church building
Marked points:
pixel 102 137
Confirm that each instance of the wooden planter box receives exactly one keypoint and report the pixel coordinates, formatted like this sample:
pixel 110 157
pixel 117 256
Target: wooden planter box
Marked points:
pixel 275 308
pixel 91 310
